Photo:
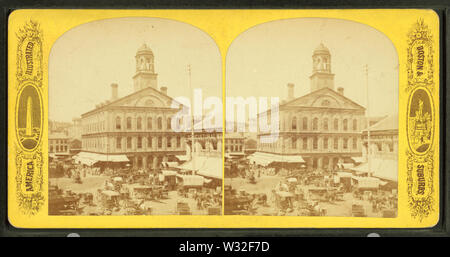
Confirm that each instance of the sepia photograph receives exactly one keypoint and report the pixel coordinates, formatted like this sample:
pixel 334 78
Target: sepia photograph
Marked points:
pixel 123 138
pixel 312 120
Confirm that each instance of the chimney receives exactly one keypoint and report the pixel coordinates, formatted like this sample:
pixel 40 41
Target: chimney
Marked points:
pixel 341 90
pixel 163 90
pixel 114 91
pixel 290 87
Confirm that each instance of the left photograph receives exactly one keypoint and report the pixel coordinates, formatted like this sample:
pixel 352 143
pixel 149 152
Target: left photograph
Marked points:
pixel 135 120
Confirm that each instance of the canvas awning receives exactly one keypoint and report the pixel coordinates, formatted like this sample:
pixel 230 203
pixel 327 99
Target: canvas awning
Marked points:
pixel 170 164
pixel 98 157
pixel 380 168
pixel 169 173
pixel 265 159
pixel 358 159
pixel 192 180
pixel 368 182
pixel 182 157
pixel 208 166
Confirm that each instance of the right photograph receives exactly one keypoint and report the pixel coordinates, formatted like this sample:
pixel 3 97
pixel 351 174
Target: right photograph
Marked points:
pixel 312 120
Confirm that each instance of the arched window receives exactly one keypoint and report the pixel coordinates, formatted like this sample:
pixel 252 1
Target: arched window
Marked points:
pixel 139 142
pixel 169 123
pixel 391 147
pixel 315 123
pixel 325 124
pixel 344 124
pixel 315 143
pixel 159 123
pixel 118 123
pixel 169 142
pixel 139 123
pixel 119 143
pixel 128 142
pixel 305 123
pixel 325 143
pixel 305 143
pixel 159 141
pixel 345 143
pixel 129 123
pixel 149 123
pixel 336 124
pixel 336 143
pixel 149 142
pixel 355 125
pixel 294 123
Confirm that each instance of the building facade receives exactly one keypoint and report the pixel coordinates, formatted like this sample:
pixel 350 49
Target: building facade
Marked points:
pixel 323 127
pixel 58 144
pixel 137 125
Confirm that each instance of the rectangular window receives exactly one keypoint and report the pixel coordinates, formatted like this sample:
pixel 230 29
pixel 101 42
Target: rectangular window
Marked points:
pixel 294 143
pixel 305 143
pixel 336 143
pixel 345 145
pixel 355 143
pixel 149 142
pixel 159 142
pixel 178 141
pixel 169 142
pixel 325 143
pixel 315 143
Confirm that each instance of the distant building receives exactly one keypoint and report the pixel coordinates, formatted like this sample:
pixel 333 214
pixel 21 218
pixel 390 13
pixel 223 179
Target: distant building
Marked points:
pixel 137 125
pixel 235 143
pixel 75 130
pixel 58 144
pixel 382 162
pixel 323 127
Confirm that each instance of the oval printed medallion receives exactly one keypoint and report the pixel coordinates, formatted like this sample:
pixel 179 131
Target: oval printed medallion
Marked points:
pixel 29 117
pixel 420 121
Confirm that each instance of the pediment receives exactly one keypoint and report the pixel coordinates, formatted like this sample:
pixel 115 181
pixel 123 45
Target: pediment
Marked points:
pixel 147 97
pixel 325 98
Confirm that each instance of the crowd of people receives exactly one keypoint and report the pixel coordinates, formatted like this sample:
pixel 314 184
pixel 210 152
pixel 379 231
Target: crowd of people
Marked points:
pixel 301 192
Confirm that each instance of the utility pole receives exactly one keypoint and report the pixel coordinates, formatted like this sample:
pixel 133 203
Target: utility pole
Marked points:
pixel 192 120
pixel 366 73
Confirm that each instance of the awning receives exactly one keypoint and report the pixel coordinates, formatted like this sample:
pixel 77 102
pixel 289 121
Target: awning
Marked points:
pixel 98 157
pixel 170 164
pixel 182 157
pixel 268 158
pixel 358 159
pixel 169 173
pixel 208 166
pixel 344 174
pixel 110 193
pixel 347 165
pixel 380 168
pixel 192 180
pixel 368 182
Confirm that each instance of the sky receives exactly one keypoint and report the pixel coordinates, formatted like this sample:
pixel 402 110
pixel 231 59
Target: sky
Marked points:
pixel 263 59
pixel 85 61
pixel 260 62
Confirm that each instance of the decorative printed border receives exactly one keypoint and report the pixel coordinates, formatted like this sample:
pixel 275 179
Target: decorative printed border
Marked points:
pixel 420 121
pixel 29 113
